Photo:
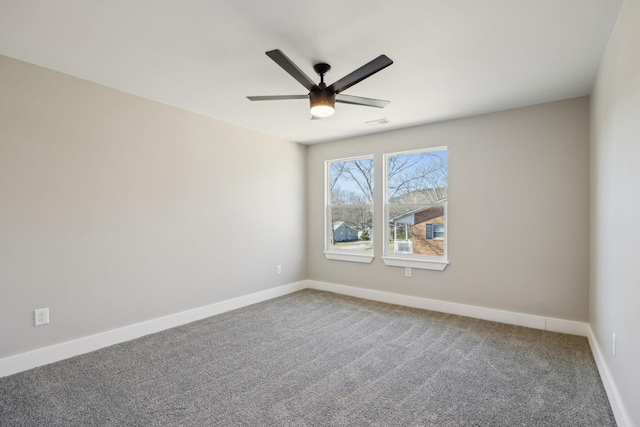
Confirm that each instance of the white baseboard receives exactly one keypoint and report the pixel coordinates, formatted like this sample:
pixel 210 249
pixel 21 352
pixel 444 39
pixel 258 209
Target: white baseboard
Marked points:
pixel 24 361
pixel 619 411
pixel 508 317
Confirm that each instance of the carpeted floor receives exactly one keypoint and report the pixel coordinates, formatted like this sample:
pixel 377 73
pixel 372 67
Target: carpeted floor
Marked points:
pixel 319 359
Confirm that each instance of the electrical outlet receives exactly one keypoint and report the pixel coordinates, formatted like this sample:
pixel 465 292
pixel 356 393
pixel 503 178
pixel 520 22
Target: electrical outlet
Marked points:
pixel 614 339
pixel 41 316
pixel 407 271
pixel 278 269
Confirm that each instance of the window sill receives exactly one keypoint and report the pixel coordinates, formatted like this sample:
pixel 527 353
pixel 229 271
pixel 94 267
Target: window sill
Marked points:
pixel 342 256
pixel 415 263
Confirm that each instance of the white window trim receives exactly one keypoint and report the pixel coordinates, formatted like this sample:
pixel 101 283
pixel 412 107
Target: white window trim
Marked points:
pixel 398 261
pixel 360 256
pixel 411 261
pixel 352 257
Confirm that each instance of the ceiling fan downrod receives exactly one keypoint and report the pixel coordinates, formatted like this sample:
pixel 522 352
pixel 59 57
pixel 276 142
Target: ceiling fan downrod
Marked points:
pixel 321 69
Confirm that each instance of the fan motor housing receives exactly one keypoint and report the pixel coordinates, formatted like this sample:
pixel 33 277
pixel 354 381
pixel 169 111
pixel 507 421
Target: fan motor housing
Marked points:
pixel 323 99
pixel 322 96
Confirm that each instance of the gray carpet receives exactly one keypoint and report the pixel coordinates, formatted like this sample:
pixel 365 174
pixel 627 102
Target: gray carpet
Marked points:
pixel 314 359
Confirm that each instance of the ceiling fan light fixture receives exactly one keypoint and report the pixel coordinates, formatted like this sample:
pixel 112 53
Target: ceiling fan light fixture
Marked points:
pixel 323 103
pixel 322 97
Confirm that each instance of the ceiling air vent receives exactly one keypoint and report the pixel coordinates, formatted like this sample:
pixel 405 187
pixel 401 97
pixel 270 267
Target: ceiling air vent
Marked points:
pixel 377 122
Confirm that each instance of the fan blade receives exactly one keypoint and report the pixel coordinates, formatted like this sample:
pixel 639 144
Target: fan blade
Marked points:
pixel 315 117
pixel 276 97
pixel 358 100
pixel 291 68
pixel 361 73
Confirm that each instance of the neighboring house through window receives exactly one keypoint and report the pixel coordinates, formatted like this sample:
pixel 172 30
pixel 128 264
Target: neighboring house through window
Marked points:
pixel 416 191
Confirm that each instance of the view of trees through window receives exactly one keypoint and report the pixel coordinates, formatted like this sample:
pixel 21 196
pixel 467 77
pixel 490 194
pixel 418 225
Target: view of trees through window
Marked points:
pixel 351 204
pixel 416 188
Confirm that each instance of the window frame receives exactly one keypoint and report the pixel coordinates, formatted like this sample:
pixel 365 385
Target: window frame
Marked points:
pixel 361 256
pixel 426 262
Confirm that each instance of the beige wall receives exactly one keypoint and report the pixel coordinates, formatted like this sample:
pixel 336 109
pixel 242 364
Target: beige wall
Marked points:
pixel 615 208
pixel 117 209
pixel 518 211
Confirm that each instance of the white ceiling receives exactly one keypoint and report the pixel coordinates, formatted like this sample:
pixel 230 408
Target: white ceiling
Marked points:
pixel 452 58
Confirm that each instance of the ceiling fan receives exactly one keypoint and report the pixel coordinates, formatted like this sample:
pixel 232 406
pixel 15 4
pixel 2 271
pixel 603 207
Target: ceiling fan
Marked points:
pixel 321 96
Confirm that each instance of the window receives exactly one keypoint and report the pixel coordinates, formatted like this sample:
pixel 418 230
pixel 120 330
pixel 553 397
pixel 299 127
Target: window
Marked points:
pixel 349 209
pixel 415 186
pixel 438 231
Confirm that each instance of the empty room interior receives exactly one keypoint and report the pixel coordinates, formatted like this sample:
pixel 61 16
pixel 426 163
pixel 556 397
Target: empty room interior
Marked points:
pixel 237 213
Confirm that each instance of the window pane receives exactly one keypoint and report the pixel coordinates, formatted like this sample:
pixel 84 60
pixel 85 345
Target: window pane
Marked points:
pixel 418 231
pixel 417 186
pixel 417 178
pixel 352 228
pixel 351 182
pixel 438 231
